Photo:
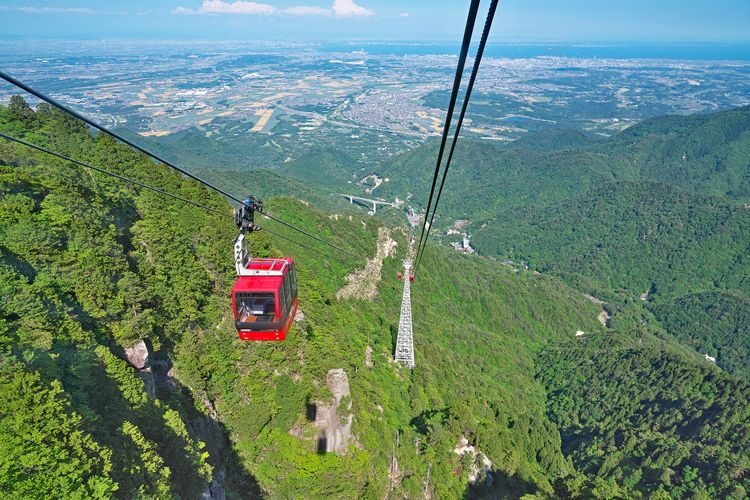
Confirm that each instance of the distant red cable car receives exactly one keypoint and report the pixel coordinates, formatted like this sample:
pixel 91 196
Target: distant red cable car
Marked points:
pixel 411 276
pixel 264 297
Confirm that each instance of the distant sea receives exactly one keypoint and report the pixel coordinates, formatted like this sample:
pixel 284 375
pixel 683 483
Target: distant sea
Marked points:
pixel 689 51
pixel 20 48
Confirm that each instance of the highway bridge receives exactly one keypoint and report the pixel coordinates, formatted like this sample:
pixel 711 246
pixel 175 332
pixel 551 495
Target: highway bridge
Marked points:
pixel 367 201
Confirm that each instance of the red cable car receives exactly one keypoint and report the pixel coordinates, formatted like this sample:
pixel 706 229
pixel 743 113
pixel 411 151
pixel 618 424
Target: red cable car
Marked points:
pixel 264 297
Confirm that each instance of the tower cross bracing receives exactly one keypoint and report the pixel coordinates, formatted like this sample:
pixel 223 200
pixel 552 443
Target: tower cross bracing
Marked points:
pixel 405 338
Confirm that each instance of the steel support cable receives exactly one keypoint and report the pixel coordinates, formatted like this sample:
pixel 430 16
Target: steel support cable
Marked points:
pixel 472 79
pixel 469 29
pixel 130 143
pixel 143 185
pixel 306 233
pixel 112 174
pixel 296 242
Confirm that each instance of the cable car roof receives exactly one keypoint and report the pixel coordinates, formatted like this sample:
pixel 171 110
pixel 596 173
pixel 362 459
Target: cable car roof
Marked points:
pixel 258 283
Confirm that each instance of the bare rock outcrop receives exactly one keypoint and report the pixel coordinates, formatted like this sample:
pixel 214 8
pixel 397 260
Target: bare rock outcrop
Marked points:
pixel 214 490
pixel 368 357
pixel 335 420
pixel 480 467
pixel 138 356
pixel 299 315
pixel 363 284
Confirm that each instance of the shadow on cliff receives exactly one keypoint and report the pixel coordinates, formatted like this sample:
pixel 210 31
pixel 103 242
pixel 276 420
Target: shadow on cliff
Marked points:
pixel 499 485
pixel 95 394
pixel 231 479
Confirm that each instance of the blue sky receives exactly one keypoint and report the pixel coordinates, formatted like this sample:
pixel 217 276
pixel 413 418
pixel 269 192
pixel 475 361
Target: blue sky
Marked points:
pixel 517 20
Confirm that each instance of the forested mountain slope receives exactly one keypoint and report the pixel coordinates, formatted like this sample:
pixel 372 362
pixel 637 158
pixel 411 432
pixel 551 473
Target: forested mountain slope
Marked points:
pixel 684 253
pixel 641 236
pixel 707 153
pixel 712 322
pixel 660 209
pixel 647 419
pixel 704 153
pixel 477 327
pixel 486 178
pixel 699 153
pixel 89 265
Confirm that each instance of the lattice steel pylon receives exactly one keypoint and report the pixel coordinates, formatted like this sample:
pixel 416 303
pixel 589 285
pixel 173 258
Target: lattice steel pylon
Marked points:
pixel 405 339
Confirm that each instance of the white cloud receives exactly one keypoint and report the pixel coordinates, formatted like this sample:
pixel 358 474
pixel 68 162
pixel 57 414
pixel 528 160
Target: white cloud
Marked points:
pixel 340 8
pixel 404 14
pixel 303 10
pixel 221 7
pixel 238 7
pixel 347 8
pixel 184 10
pixel 48 10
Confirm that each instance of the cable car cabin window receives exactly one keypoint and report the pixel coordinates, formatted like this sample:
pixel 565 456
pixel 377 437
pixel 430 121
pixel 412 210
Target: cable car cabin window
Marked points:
pixel 290 290
pixel 256 310
pixel 282 298
pixel 293 274
pixel 286 293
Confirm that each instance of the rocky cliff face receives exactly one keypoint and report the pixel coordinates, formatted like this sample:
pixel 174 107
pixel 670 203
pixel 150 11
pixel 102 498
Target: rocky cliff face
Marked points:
pixel 480 467
pixel 158 374
pixel 335 420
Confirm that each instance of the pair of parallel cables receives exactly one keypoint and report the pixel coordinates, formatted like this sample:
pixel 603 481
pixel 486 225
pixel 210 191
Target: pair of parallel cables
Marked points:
pixel 468 31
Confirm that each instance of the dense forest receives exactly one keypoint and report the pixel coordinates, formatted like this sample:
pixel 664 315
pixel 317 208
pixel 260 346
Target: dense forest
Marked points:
pixel 644 237
pixel 683 253
pixel 87 267
pixel 714 323
pixel 90 266
pixel 647 419
pixel 706 154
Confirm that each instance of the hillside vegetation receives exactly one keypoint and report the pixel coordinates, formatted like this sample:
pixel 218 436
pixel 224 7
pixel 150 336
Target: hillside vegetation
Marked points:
pixel 714 323
pixel 659 211
pixel 707 154
pixel 645 237
pixel 647 419
pixel 680 244
pixel 89 266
